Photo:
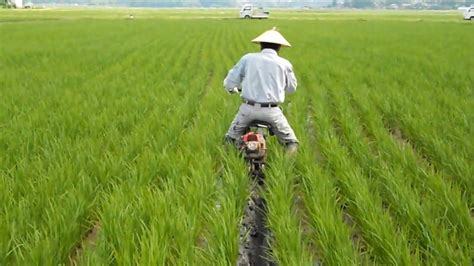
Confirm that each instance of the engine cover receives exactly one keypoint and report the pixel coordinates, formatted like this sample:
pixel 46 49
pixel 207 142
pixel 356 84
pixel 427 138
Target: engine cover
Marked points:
pixel 253 146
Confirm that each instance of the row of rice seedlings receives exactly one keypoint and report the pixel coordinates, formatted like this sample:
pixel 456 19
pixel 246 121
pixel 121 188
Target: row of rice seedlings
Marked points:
pixel 64 238
pixel 331 237
pixel 328 239
pixel 226 190
pixel 386 242
pixel 286 238
pixel 221 231
pixel 446 212
pixel 449 159
pixel 400 198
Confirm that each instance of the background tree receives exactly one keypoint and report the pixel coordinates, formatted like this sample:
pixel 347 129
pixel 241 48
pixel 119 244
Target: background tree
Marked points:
pixel 362 3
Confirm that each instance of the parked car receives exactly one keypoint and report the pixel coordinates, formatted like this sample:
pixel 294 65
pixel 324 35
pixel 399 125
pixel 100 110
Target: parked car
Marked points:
pixel 28 5
pixel 469 13
pixel 250 11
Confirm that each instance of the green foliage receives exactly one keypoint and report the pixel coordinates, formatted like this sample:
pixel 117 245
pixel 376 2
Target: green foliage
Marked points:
pixel 111 135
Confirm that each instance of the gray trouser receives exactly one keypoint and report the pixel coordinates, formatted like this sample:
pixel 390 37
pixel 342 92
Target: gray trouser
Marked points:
pixel 272 115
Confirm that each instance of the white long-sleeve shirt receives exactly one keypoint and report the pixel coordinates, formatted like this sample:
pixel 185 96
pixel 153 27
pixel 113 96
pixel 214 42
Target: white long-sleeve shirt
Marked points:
pixel 264 77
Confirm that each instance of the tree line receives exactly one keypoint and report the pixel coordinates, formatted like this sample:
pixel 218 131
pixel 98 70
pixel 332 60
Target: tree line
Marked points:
pixel 408 4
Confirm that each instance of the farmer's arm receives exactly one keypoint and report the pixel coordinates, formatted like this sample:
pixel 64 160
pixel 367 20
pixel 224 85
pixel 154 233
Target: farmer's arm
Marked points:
pixel 235 76
pixel 291 82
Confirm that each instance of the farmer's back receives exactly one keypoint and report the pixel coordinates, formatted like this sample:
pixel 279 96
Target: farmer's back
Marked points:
pixel 266 77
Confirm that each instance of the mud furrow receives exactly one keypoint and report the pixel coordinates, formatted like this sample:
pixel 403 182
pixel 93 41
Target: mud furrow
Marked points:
pixel 254 234
pixel 88 240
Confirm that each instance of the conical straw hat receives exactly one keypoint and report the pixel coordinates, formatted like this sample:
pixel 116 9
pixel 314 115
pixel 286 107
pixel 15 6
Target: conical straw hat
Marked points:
pixel 272 36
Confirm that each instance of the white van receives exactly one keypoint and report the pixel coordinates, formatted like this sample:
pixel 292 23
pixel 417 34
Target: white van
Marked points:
pixel 249 11
pixel 469 13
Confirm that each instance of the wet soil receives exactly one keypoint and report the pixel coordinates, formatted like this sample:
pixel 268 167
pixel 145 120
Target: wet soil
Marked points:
pixel 255 236
pixel 87 241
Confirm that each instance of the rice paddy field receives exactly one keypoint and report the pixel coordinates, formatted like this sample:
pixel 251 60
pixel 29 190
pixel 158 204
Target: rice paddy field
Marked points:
pixel 111 133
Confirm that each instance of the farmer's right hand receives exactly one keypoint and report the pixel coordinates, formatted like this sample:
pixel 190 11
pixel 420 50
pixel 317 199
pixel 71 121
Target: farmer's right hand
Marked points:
pixel 233 90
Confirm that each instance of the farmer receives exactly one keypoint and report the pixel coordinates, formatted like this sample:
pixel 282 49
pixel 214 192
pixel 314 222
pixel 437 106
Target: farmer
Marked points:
pixel 264 78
